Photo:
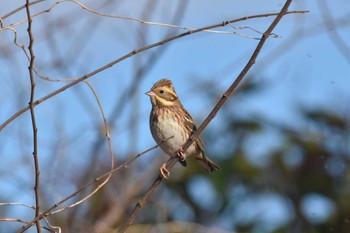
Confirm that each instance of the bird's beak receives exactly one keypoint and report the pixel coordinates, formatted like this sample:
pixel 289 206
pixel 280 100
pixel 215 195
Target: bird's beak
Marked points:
pixel 150 93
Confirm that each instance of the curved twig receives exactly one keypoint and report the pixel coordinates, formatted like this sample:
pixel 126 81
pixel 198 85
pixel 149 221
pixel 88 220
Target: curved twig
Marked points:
pixel 125 18
pixel 50 211
pixel 106 128
pixel 24 221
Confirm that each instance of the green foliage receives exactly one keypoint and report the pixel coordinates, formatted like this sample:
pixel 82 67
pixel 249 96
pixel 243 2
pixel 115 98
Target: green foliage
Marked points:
pixel 304 165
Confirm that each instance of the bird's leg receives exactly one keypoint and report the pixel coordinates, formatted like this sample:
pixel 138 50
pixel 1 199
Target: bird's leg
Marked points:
pixel 164 171
pixel 181 154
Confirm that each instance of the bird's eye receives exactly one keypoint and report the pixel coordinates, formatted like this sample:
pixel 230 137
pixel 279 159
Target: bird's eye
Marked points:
pixel 161 91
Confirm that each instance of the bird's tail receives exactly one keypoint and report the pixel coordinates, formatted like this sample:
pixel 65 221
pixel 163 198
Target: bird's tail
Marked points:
pixel 207 164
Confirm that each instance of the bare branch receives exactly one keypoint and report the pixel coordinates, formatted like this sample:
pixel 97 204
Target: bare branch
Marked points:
pixel 338 41
pixel 172 161
pixel 126 18
pixel 20 8
pixel 50 211
pixel 130 54
pixel 17 204
pixel 106 128
pixel 32 114
pixel 24 221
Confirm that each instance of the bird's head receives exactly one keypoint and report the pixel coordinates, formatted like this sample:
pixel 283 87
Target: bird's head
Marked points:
pixel 163 94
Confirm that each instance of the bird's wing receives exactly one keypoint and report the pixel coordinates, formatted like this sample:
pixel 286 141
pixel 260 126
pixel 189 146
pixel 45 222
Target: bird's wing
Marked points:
pixel 191 127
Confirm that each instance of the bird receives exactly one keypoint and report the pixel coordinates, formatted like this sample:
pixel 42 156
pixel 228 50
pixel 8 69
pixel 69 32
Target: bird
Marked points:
pixel 171 126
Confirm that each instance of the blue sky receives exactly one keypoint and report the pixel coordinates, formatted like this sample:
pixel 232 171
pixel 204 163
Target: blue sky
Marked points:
pixel 302 68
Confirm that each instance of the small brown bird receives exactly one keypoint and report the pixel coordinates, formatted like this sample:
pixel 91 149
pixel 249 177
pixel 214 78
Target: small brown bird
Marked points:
pixel 171 123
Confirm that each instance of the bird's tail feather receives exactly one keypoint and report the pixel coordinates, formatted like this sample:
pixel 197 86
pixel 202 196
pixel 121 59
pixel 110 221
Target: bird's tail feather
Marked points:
pixel 208 165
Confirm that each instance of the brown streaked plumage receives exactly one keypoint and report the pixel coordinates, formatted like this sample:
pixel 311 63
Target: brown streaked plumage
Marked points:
pixel 169 119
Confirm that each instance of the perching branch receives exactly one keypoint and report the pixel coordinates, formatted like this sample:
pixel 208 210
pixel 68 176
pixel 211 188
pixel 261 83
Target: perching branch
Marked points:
pixel 172 161
pixel 32 114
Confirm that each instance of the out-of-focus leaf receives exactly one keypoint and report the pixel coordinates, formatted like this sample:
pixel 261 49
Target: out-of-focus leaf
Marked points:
pixel 326 118
pixel 246 126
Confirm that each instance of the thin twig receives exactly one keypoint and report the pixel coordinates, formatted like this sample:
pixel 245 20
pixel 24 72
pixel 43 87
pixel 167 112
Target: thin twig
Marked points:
pixel 20 8
pixel 32 114
pixel 50 211
pixel 107 135
pixel 106 128
pixel 17 204
pixel 125 18
pixel 20 220
pixel 24 221
pixel 172 161
pixel 339 42
pixel 132 53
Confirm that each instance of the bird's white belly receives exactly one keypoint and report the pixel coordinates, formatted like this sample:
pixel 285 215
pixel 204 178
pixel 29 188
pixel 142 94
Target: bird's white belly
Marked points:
pixel 172 134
